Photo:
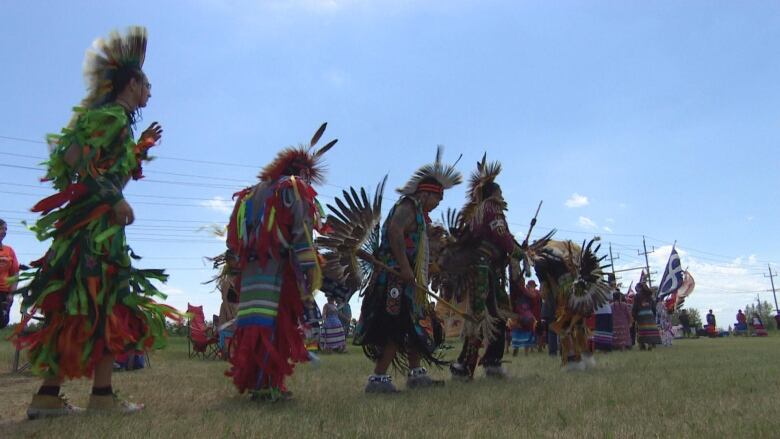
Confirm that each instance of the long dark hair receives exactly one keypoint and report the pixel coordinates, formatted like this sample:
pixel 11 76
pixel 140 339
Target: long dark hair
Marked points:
pixel 489 189
pixel 119 82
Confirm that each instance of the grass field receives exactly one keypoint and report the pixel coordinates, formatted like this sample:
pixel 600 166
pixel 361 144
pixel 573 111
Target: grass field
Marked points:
pixel 716 387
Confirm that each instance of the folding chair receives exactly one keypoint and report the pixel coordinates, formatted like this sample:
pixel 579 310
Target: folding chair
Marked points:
pixel 202 341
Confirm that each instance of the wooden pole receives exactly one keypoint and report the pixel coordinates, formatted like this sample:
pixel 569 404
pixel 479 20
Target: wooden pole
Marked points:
pixel 373 261
pixel 533 223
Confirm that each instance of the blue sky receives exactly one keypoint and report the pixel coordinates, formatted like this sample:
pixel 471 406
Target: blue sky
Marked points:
pixel 626 118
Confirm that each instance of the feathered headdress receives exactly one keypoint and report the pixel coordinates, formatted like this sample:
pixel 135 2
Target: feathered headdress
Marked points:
pixel 579 272
pixel 300 160
pixel 110 57
pixel 446 176
pixel 485 174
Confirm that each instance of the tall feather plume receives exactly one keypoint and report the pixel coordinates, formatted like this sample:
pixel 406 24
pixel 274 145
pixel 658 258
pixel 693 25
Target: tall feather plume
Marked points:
pixel 300 160
pixel 486 173
pixel 446 175
pixel 107 57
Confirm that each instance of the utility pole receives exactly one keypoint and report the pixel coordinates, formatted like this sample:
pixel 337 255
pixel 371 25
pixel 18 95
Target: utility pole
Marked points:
pixel 647 261
pixel 774 294
pixel 612 262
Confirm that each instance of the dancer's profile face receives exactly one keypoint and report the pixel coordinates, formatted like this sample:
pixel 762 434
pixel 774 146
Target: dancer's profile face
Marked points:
pixel 430 200
pixel 142 90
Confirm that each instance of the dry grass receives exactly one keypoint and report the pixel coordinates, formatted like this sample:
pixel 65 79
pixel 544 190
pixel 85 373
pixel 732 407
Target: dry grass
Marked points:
pixel 722 388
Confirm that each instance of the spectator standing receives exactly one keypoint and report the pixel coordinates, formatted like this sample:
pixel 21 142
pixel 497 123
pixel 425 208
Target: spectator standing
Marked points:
pixel 621 322
pixel 685 321
pixel 548 317
pixel 9 267
pixel 712 330
pixel 527 307
pixel 741 327
pixel 345 314
pixel 333 339
pixel 602 336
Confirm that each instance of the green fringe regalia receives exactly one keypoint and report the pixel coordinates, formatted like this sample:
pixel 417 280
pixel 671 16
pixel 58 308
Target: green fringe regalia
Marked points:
pixel 93 301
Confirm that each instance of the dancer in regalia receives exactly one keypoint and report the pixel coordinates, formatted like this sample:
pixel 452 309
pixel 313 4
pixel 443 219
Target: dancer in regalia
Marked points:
pixel 94 303
pixel 397 322
pixel 486 232
pixel 270 247
pixel 644 314
pixel 572 278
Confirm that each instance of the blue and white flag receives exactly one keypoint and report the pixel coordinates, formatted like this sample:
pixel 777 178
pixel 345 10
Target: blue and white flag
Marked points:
pixel 673 275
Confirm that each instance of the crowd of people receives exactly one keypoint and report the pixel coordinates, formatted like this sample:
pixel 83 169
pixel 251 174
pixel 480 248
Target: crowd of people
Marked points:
pixel 617 325
pixel 752 327
pixel 96 307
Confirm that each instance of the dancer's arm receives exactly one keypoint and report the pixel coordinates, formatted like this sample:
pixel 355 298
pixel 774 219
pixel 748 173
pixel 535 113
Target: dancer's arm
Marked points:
pixel 403 218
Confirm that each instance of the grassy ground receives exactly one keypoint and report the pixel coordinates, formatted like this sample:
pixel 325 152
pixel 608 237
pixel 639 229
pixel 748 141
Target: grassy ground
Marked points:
pixel 717 387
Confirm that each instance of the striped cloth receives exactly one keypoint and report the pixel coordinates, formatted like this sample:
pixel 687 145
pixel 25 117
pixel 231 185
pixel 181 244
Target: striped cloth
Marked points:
pixel 647 327
pixel 522 338
pixel 602 339
pixel 259 301
pixel 602 335
pixel 621 331
pixel 333 336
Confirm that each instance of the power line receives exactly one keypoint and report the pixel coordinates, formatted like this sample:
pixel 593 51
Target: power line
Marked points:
pixel 180 183
pixel 23 155
pixel 5 165
pixel 135 202
pixel 131 194
pixel 163 157
pixel 724 258
pixel 134 226
pixel 144 219
pixel 686 248
pixel 19 139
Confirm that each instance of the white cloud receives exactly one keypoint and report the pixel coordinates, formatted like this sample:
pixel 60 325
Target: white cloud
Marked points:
pixel 587 223
pixel 219 204
pixel 607 229
pixel 171 290
pixel 752 259
pixel 335 77
pixel 577 200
